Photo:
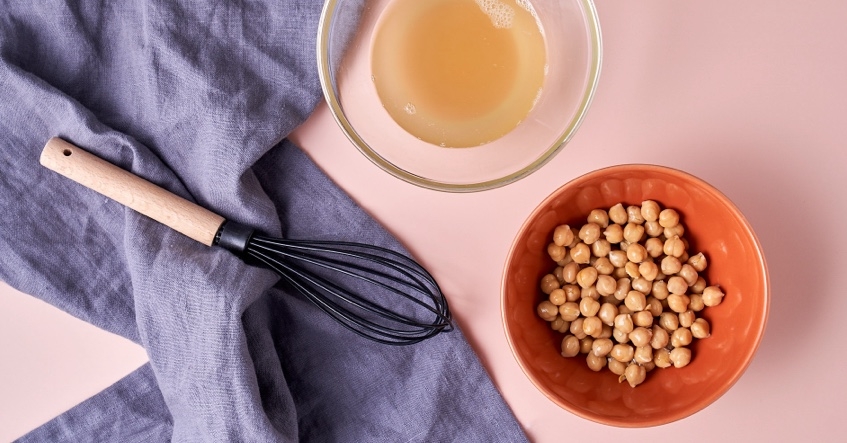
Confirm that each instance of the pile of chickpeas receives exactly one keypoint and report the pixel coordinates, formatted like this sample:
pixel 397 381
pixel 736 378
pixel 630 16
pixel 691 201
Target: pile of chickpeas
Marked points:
pixel 626 292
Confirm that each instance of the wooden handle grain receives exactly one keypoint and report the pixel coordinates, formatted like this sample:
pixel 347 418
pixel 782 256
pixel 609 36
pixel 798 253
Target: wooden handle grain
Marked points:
pixel 130 190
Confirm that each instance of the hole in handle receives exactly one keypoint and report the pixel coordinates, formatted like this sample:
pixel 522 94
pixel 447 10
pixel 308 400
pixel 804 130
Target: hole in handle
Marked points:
pixel 67 152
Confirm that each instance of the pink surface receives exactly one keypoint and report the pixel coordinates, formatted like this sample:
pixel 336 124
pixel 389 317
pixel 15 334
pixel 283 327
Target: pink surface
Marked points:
pixel 749 96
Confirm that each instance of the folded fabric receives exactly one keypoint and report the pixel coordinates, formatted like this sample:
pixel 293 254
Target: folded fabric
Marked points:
pixel 198 98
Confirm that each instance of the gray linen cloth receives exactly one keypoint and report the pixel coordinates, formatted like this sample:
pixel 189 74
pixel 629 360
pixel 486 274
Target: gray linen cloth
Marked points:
pixel 198 97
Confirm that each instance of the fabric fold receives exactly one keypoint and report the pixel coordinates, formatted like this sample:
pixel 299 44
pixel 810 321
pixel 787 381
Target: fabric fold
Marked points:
pixel 199 98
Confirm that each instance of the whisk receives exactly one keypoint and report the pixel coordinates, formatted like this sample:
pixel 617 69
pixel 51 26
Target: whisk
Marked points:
pixel 341 278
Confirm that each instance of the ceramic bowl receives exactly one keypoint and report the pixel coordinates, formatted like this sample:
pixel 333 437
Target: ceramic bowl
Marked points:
pixel 714 226
pixel 573 48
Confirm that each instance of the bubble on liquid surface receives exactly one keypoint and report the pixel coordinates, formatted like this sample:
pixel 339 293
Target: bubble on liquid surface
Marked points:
pixel 501 14
pixel 409 108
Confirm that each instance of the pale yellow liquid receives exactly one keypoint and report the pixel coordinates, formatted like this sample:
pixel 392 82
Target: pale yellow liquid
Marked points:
pixel 458 73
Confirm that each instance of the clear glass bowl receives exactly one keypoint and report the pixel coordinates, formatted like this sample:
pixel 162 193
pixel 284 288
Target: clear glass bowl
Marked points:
pixel 572 33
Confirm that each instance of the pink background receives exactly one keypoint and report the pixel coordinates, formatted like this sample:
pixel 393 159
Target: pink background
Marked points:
pixel 750 96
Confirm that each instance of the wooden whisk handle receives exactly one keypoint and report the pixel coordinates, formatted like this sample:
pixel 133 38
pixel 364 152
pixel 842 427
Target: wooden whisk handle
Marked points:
pixel 132 191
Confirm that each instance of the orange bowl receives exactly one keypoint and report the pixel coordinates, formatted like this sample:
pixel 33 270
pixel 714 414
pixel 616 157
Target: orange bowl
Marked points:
pixel 714 226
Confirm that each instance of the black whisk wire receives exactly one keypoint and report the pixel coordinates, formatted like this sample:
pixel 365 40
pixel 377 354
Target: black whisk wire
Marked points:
pixel 378 270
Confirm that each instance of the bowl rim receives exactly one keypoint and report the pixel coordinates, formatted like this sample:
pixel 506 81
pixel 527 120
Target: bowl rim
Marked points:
pixel 325 77
pixel 704 401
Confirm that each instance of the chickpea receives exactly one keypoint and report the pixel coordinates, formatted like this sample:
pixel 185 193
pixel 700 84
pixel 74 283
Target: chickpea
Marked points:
pixel 643 354
pixel 669 321
pixel 680 357
pixel 712 296
pixel 607 313
pixel 606 285
pixel 660 290
pixel 643 319
pixel 654 306
pixel 650 210
pixel 595 363
pixel 635 300
pixel 618 258
pixel 700 328
pixel 547 311
pixel 648 270
pixel 641 336
pixel 602 347
pixel 618 214
pixel 599 217
pixel 592 326
pixel 689 274
pixel 673 246
pixel 569 272
pixel 576 328
pixel 585 345
pixel 636 253
pixel 624 285
pixel 556 252
pixel 586 277
pixel 655 247
pixel 601 248
pixel 681 337
pixel 562 235
pixel 565 260
pixel 695 302
pixel 686 319
pixel 620 273
pixel 670 265
pixel 622 353
pixel 668 218
pixel 677 285
pixel 624 323
pixel 569 311
pixel 615 366
pixel 589 233
pixel 581 253
pixel 699 262
pixel 570 346
pixel 589 307
pixel 633 214
pixel 603 265
pixel 662 358
pixel 590 292
pixel 572 292
pixel 661 338
pixel 620 336
pixel 642 285
pixel 632 269
pixel 557 297
pixel 560 325
pixel 676 231
pixel 678 302
pixel 653 228
pixel 698 286
pixel 633 232
pixel 649 366
pixel 635 374
pixel 548 283
pixel 614 234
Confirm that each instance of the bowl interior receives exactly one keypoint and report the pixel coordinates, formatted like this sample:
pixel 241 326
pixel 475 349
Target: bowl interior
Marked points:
pixel 714 226
pixel 573 55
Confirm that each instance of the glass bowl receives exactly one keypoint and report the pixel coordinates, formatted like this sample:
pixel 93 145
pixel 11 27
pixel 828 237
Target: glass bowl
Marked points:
pixel 573 52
